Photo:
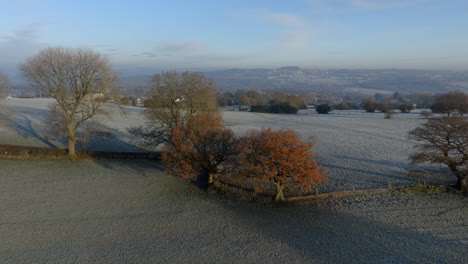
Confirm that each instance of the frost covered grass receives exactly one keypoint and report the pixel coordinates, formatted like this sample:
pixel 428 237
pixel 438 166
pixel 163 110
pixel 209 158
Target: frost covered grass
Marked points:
pixel 131 212
pixel 108 211
pixel 29 126
pixel 361 150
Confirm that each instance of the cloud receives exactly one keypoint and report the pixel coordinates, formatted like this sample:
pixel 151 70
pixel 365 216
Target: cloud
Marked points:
pixel 294 40
pixel 179 48
pixel 284 19
pixel 148 54
pixel 20 44
pixel 381 4
pixel 185 54
pixel 174 49
pixel 269 17
pixel 339 7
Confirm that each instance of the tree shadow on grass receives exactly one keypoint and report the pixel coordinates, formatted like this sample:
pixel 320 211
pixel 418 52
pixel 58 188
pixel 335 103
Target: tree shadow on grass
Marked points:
pixel 320 235
pixel 21 122
pixel 23 126
pixel 113 143
pixel 140 166
pixel 397 170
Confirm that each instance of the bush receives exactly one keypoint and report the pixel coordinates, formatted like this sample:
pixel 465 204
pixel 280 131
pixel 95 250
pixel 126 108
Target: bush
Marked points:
pixel 323 109
pixel 406 108
pixel 283 108
pixel 260 108
pixel 426 113
pixel 389 114
pixel 342 106
pixel 369 105
pixel 383 107
pixel 279 108
pixel 124 101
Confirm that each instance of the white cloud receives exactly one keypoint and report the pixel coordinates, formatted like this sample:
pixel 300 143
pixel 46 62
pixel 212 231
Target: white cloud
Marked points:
pixel 294 40
pixel 269 17
pixel 23 42
pixel 179 48
pixel 338 7
pixel 284 19
pixel 381 4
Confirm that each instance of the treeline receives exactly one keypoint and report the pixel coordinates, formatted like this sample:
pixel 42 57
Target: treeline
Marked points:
pixel 261 101
pixel 448 103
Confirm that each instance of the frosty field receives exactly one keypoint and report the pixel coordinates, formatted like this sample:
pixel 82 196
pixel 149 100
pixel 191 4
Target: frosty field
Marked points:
pixel 117 211
pixel 130 212
pixel 360 150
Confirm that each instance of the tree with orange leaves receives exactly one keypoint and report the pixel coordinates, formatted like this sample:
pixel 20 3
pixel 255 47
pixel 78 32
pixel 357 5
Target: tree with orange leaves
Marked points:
pixel 280 157
pixel 200 144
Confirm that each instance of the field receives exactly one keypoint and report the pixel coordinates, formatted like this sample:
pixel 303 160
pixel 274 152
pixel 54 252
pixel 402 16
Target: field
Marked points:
pixel 130 212
pixel 113 211
pixel 360 150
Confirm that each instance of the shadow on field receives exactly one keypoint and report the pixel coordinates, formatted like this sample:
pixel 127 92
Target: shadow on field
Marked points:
pixel 32 122
pixel 326 236
pixel 139 166
pixel 388 163
pixel 377 177
pixel 392 169
pixel 398 171
pixel 114 143
pixel 23 126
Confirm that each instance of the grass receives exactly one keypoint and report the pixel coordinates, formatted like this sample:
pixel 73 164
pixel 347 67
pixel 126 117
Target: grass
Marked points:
pixel 429 189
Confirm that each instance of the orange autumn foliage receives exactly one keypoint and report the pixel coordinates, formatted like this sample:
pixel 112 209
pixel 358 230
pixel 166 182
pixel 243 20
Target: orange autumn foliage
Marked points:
pixel 201 144
pixel 280 157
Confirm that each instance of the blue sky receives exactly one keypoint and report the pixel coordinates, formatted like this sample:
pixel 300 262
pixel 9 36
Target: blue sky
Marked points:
pixel 424 34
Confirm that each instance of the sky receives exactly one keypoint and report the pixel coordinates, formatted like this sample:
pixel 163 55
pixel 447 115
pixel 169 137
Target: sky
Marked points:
pixel 364 34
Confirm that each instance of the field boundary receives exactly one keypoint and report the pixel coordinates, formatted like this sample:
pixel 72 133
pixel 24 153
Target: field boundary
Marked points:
pixel 336 194
pixel 25 152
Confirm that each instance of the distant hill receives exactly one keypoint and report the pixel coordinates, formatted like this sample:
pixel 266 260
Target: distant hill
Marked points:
pixel 342 81
pixel 323 81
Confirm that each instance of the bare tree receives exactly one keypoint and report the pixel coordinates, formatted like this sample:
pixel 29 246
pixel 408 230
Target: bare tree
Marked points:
pixel 78 79
pixel 452 102
pixel 175 98
pixel 444 141
pixel 4 85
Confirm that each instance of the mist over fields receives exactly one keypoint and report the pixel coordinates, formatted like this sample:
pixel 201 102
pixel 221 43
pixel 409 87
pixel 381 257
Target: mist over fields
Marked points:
pixel 338 82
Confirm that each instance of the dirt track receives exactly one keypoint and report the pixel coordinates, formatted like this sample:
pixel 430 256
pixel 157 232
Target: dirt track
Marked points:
pixel 130 212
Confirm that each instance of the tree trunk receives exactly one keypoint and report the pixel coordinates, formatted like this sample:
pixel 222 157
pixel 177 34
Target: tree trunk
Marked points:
pixel 279 197
pixel 71 146
pixel 462 180
pixel 211 178
pixel 462 183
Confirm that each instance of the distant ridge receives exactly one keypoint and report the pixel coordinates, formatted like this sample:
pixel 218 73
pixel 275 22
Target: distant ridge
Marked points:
pixel 289 68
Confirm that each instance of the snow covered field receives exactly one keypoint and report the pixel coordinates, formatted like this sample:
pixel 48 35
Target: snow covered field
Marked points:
pixel 131 212
pixel 361 150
